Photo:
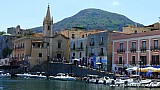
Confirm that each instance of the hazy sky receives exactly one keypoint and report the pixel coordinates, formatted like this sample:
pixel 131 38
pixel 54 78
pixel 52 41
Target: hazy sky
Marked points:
pixel 30 13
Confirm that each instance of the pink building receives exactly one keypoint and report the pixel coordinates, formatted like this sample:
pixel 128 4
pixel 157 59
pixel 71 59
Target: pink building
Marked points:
pixel 129 49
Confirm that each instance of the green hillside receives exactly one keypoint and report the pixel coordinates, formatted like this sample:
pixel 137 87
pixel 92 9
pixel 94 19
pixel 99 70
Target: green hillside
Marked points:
pixel 93 19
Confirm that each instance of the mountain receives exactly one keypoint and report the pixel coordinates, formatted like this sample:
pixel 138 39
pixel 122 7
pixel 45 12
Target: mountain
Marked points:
pixel 93 19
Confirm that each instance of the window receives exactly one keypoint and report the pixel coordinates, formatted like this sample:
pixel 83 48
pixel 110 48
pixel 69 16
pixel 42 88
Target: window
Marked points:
pixel 33 44
pixel 80 54
pixel 23 45
pixel 82 36
pixel 101 50
pixel 121 46
pixel 48 27
pixel 40 55
pixel 101 40
pixel 133 45
pixel 48 44
pixel 155 44
pixel 74 54
pixel 133 59
pixel 92 40
pixel 92 50
pixel 135 31
pixel 155 60
pixel 73 36
pixel 74 46
pixel 143 44
pixel 81 45
pixel 38 45
pixel 120 60
pixel 59 45
pixel 144 60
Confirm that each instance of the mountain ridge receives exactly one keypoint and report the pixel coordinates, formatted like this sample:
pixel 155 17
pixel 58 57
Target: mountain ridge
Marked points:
pixel 92 19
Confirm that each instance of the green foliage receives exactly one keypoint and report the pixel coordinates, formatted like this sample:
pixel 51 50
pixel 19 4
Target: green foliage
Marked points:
pixel 2 32
pixel 93 19
pixel 6 51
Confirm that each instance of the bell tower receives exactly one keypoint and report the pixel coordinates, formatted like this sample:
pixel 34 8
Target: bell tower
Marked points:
pixel 47 32
pixel 47 24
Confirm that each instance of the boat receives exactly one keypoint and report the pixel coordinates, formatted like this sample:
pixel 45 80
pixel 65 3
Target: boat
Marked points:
pixel 4 75
pixel 28 75
pixel 92 79
pixel 24 75
pixel 63 76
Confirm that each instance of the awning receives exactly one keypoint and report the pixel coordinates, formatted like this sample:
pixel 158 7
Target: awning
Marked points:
pixel 76 59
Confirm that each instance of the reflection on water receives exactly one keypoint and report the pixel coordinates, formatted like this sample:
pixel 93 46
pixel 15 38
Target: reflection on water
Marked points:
pixel 37 84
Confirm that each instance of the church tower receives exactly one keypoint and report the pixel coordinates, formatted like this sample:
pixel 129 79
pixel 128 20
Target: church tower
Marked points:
pixel 47 24
pixel 47 32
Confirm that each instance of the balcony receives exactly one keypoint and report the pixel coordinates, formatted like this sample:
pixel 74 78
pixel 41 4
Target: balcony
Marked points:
pixel 91 43
pixel 143 49
pixel 155 48
pixel 101 54
pixel 91 54
pixel 133 50
pixel 79 49
pixel 120 51
pixel 101 43
pixel 72 49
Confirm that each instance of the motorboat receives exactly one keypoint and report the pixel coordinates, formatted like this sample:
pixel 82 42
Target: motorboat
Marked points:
pixel 24 75
pixel 4 75
pixel 139 83
pixel 92 79
pixel 63 76
pixel 38 76
pixel 29 75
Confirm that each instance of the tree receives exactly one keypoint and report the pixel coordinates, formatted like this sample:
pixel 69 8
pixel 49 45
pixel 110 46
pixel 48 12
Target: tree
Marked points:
pixel 6 51
pixel 1 33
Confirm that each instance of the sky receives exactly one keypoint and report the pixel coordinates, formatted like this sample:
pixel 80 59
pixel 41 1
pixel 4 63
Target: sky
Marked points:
pixel 30 13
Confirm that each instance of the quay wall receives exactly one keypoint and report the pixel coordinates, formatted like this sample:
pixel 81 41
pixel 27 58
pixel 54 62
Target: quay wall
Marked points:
pixel 55 68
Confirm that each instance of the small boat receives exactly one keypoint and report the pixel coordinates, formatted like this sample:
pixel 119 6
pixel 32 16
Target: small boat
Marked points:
pixel 92 79
pixel 24 75
pixel 63 76
pixel 28 75
pixel 4 75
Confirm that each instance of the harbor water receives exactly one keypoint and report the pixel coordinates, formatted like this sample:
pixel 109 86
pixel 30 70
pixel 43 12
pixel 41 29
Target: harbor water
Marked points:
pixel 41 84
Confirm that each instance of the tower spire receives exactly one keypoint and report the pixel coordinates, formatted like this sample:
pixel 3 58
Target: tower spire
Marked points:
pixel 48 15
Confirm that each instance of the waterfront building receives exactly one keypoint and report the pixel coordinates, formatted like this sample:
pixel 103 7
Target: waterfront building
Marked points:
pixel 129 49
pixel 78 32
pixel 137 29
pixel 99 49
pixel 78 51
pixel 60 51
pixel 31 49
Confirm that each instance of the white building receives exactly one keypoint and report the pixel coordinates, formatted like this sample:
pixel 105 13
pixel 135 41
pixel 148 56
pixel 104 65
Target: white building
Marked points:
pixel 78 50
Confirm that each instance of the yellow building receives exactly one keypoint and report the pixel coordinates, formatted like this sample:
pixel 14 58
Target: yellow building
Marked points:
pixel 60 50
pixel 134 29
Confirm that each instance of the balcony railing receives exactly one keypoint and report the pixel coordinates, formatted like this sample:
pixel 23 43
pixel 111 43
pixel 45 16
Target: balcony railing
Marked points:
pixel 91 43
pixel 101 43
pixel 73 49
pixel 91 54
pixel 143 49
pixel 79 49
pixel 153 48
pixel 120 50
pixel 101 54
pixel 133 50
